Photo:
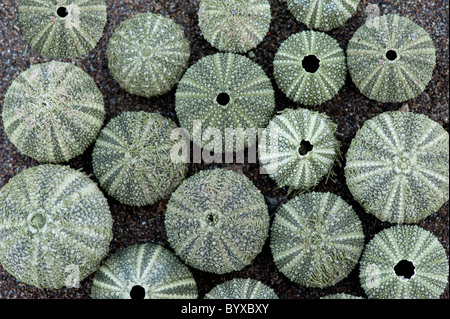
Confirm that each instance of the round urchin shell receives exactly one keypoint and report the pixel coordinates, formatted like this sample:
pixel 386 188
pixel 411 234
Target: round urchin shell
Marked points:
pixel 148 54
pixel 298 148
pixel 323 15
pixel 62 28
pixel 234 25
pixel 241 289
pixel 341 296
pixel 53 111
pixel 391 59
pixel 316 239
pixel 217 221
pixel 309 67
pixel 143 271
pixel 132 158
pixel 398 167
pixel 224 91
pixel 55 226
pixel 404 262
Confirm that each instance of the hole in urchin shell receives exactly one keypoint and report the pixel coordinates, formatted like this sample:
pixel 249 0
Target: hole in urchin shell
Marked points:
pixel 311 63
pixel 62 12
pixel 305 148
pixel 404 269
pixel 211 218
pixel 391 55
pixel 137 292
pixel 223 99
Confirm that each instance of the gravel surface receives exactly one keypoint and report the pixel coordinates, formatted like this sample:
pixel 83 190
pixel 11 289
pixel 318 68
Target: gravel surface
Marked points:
pixel 349 110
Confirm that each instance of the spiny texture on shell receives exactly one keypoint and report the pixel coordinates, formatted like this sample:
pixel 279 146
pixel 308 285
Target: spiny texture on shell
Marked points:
pixel 398 167
pixel 410 243
pixel 53 111
pixel 304 79
pixel 217 221
pixel 241 289
pixel 316 239
pixel 150 266
pixel 383 75
pixel 132 158
pixel 148 54
pixel 198 98
pixel 323 15
pixel 55 226
pixel 234 25
pixel 341 296
pixel 62 28
pixel 282 149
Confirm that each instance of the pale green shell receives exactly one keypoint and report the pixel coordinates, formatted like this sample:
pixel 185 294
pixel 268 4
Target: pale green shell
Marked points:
pixel 217 221
pixel 251 104
pixel 58 36
pixel 132 158
pixel 413 244
pixel 53 111
pixel 341 296
pixel 316 239
pixel 149 266
pixel 148 54
pixel 281 148
pixel 398 167
pixel 241 289
pixel 297 82
pixel 55 226
pixel 391 80
pixel 234 25
pixel 323 15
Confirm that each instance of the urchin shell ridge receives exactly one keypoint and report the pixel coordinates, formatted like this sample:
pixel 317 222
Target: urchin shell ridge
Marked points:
pixel 154 268
pixel 401 243
pixel 53 111
pixel 55 226
pixel 239 288
pixel 397 166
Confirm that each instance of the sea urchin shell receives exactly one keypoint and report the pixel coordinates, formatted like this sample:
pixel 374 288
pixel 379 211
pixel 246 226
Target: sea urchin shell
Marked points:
pixel 238 288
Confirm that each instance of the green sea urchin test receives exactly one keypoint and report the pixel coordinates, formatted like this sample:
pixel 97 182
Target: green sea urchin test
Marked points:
pixel 316 239
pixel 323 15
pixel 217 221
pixel 391 59
pixel 234 25
pixel 309 67
pixel 53 111
pixel 404 262
pixel 132 158
pixel 299 148
pixel 144 271
pixel 224 91
pixel 341 296
pixel 398 167
pixel 55 226
pixel 241 289
pixel 148 54
pixel 62 28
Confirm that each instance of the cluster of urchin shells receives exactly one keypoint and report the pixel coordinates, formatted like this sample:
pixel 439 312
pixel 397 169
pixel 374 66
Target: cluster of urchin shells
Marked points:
pixel 55 222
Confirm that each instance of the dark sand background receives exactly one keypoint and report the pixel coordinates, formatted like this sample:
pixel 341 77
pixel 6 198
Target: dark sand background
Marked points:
pixel 349 110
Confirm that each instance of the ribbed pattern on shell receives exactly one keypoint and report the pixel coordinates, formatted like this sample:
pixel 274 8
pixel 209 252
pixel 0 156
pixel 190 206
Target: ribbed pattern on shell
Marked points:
pixel 241 289
pixel 385 80
pixel 300 85
pixel 279 148
pixel 250 91
pixel 316 239
pixel 150 266
pixel 58 36
pixel 404 242
pixel 55 226
pixel 398 167
pixel 53 111
pixel 217 221
pixel 234 25
pixel 148 54
pixel 323 15
pixel 132 158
